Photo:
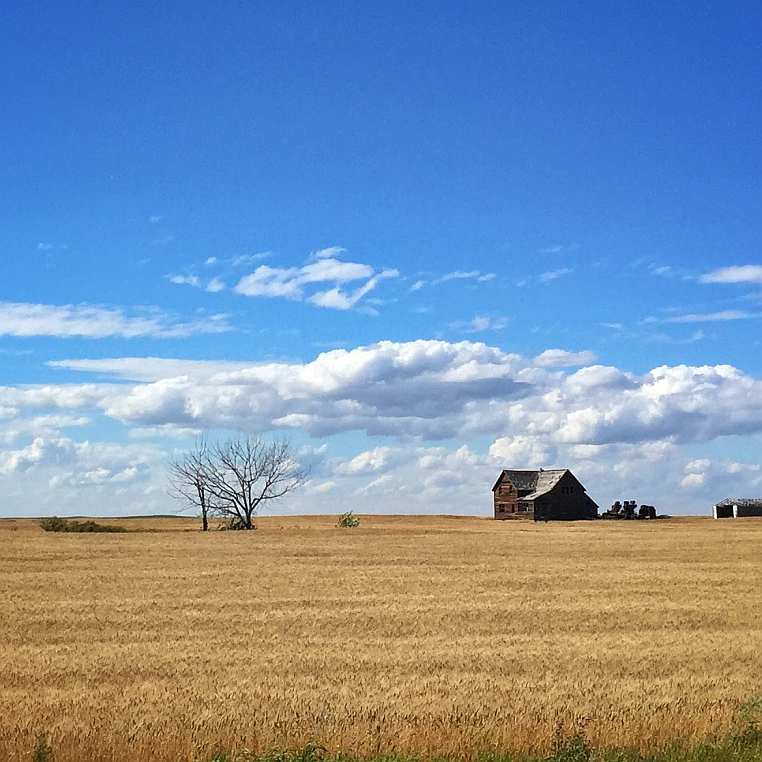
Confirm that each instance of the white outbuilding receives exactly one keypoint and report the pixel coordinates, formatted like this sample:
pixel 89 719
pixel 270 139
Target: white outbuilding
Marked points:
pixel 738 507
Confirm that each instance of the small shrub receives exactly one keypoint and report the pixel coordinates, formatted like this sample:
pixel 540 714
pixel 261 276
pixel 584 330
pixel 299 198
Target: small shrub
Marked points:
pixel 234 524
pixel 55 524
pixel 348 519
pixel 574 749
pixel 312 752
pixel 43 752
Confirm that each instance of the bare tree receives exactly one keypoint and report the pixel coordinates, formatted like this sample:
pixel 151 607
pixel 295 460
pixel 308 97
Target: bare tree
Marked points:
pixel 188 478
pixel 233 478
pixel 241 474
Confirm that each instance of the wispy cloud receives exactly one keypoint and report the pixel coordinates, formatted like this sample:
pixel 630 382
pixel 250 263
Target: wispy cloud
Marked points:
pixel 558 248
pixel 247 260
pixel 97 322
pixel 337 299
pixel 552 275
pixel 294 282
pixel 713 317
pixel 163 240
pixel 480 323
pixel 47 246
pixel 215 285
pixel 475 275
pixel 734 274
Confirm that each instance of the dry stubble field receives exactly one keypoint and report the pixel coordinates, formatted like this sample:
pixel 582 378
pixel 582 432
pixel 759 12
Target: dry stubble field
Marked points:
pixel 415 634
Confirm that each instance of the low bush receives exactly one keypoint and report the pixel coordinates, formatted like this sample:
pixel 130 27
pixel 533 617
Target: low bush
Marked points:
pixel 348 519
pixel 55 524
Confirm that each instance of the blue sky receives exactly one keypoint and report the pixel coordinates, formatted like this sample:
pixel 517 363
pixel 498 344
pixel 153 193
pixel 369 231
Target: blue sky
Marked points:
pixel 252 185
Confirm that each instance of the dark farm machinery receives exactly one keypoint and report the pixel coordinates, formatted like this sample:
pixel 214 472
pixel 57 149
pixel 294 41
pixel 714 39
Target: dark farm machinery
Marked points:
pixel 629 511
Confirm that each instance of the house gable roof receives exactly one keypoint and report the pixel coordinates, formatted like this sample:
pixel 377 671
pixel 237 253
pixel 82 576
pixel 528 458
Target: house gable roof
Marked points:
pixel 539 481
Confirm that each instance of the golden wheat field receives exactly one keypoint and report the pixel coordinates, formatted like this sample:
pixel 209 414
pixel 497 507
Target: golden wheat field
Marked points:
pixel 414 634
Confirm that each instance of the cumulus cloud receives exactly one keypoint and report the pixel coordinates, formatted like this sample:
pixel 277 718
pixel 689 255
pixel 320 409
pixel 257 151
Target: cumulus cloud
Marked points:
pixel 97 321
pixel 526 451
pixel 432 390
pixel 40 425
pixel 609 425
pixel 76 462
pixel 366 462
pixel 734 274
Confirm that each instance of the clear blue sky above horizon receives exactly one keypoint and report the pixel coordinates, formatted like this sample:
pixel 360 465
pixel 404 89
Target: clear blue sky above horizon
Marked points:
pixel 249 183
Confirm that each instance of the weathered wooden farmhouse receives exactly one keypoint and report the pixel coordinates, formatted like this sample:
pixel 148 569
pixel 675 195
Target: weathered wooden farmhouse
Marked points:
pixel 552 495
pixel 738 507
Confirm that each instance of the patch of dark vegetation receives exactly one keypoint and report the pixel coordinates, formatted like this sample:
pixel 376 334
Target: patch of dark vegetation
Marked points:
pixel 43 752
pixel 56 524
pixel 746 747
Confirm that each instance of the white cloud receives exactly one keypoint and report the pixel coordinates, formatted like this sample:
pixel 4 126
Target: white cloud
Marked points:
pixel 692 481
pixel 480 323
pixel 561 358
pixel 734 274
pixel 520 452
pixel 324 487
pixel 475 275
pixel 609 425
pixel 215 285
pixel 552 275
pixel 366 462
pixel 150 368
pixel 96 321
pixel 338 299
pixel 76 462
pixel 330 252
pixel 714 317
pixel 185 280
pixel 246 260
pixel 433 390
pixel 41 425
pixel 290 282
